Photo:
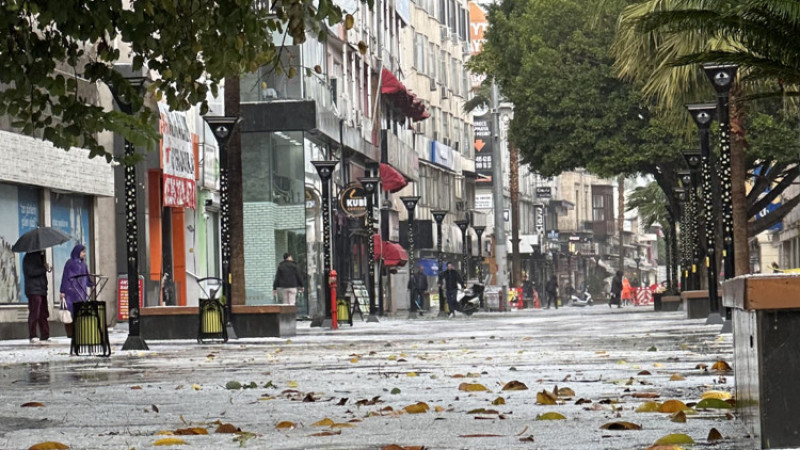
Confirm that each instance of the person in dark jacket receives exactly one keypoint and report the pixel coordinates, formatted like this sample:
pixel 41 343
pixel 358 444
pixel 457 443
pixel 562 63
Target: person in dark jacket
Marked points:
pixel 288 280
pixel 451 279
pixel 35 269
pixel 74 283
pixel 418 284
pixel 616 290
pixel 551 291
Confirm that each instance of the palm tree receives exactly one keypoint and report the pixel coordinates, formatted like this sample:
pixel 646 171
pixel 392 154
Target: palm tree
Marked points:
pixel 661 42
pixel 652 205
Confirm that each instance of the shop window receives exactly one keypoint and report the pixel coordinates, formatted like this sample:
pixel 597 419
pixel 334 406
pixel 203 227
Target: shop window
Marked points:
pixel 70 214
pixel 21 213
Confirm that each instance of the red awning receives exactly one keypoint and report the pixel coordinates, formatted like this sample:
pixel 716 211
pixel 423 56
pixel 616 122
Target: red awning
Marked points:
pixel 401 97
pixel 391 179
pixel 393 254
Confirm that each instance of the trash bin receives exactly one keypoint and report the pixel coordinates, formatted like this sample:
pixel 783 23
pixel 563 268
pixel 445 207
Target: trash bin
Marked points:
pixel 766 337
pixel 343 310
pixel 90 335
pixel 212 321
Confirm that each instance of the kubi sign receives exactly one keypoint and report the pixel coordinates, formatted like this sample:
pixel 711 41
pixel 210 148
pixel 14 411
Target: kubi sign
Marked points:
pixel 353 201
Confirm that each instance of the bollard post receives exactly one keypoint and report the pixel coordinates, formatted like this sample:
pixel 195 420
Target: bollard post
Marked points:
pixel 332 282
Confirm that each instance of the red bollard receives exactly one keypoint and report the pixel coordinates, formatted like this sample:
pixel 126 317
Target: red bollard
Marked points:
pixel 333 280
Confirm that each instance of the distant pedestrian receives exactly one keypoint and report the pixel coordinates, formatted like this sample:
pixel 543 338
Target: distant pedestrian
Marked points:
pixel 288 280
pixel 527 290
pixel 74 283
pixel 34 271
pixel 627 290
pixel 418 284
pixel 616 290
pixel 451 279
pixel 551 291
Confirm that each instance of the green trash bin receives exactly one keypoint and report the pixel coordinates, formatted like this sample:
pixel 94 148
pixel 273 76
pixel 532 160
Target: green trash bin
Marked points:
pixel 90 335
pixel 212 321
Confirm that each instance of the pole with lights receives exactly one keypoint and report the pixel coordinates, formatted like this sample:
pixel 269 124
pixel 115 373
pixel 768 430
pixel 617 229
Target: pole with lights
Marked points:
pixel 463 225
pixel 325 172
pixel 410 202
pixel 438 216
pixel 370 185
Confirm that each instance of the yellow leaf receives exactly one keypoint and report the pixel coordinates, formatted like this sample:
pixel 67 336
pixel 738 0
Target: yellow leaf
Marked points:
pixel 164 433
pixel 515 386
pixel 545 398
pixel 169 441
pixel 621 426
pixel 292 384
pixel 550 416
pixel 286 425
pixel 196 387
pixel 326 422
pixel 719 395
pixel 648 407
pixel 417 408
pixel 672 439
pixel 566 392
pixel 353 360
pixel 342 425
pixel 392 357
pixel 269 397
pixel 671 406
pixel 471 387
pixel 411 374
pixel 438 408
pixel 190 431
pixel 658 365
pixel 721 366
pixel 622 361
pixel 679 417
pixel 32 405
pixel 499 401
pixel 676 377
pixel 48 445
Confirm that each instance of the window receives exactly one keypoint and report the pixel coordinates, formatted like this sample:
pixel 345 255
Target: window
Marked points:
pixel 419 55
pixel 443 71
pixel 434 53
pixel 446 128
pixel 599 208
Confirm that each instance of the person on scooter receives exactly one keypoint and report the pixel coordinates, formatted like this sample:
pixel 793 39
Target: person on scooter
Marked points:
pixel 418 284
pixel 451 279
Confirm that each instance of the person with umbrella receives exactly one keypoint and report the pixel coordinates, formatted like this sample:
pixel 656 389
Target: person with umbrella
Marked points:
pixel 74 282
pixel 35 269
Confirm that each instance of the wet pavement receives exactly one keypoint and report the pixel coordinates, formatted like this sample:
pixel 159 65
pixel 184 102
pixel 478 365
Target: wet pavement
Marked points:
pixel 362 378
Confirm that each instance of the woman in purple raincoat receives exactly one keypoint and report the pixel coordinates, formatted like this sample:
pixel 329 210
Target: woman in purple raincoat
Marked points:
pixel 73 290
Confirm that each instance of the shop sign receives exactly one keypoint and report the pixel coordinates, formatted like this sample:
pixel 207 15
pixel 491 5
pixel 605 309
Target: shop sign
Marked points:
pixel 312 200
pixel 122 296
pixel 353 201
pixel 210 162
pixel 544 192
pixel 538 218
pixel 177 159
pixel 484 201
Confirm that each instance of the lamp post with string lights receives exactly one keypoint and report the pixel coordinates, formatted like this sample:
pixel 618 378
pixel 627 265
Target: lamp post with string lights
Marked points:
pixel 438 216
pixel 370 185
pixel 410 202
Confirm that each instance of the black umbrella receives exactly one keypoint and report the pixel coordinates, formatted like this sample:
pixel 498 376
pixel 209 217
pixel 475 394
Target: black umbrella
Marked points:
pixel 39 239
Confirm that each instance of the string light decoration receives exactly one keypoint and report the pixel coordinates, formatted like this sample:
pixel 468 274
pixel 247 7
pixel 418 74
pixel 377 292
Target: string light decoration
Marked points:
pixel 370 185
pixel 438 216
pixel 410 203
pixel 325 172
pixel 463 225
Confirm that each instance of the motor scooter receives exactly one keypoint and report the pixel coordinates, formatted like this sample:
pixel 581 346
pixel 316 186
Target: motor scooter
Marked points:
pixel 584 299
pixel 469 299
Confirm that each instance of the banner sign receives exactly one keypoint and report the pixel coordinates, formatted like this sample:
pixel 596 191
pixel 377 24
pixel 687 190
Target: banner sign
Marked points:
pixel 483 145
pixel 538 218
pixel 122 296
pixel 177 159
pixel 544 192
pixel 353 201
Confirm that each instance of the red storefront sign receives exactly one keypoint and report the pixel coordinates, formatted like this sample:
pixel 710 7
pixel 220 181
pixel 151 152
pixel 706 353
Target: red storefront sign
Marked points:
pixel 122 296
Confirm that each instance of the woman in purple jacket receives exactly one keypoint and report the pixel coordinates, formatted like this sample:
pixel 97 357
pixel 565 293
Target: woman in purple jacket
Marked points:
pixel 73 286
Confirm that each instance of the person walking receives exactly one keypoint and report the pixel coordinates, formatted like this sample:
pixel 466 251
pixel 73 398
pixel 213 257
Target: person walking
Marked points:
pixel 34 271
pixel 616 290
pixel 288 281
pixel 626 292
pixel 451 279
pixel 527 291
pixel 418 284
pixel 74 281
pixel 551 291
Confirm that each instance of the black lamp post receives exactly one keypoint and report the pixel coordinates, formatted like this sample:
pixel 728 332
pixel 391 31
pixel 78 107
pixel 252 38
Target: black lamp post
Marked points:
pixel 370 185
pixel 438 216
pixel 688 182
pixel 703 115
pixel 638 261
pixel 325 172
pixel 463 225
pixel 479 229
pixel 411 204
pixel 223 128
pixel 680 196
pixel 125 102
pixel 722 77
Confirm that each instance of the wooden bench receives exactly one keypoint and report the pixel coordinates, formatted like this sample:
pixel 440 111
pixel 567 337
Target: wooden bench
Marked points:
pixel 671 303
pixel 249 321
pixel 766 326
pixel 696 304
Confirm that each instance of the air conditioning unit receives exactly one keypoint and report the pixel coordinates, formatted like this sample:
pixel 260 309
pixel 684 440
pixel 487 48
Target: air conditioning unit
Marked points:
pixel 433 84
pixel 444 92
pixel 444 33
pixel 466 49
pixel 454 38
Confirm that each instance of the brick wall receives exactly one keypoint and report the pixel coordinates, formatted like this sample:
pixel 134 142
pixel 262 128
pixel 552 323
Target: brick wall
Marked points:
pixel 264 245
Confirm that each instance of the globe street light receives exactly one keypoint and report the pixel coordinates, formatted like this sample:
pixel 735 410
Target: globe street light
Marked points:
pixel 438 216
pixel 370 185
pixel 223 128
pixel 703 114
pixel 410 203
pixel 325 172
pixel 123 97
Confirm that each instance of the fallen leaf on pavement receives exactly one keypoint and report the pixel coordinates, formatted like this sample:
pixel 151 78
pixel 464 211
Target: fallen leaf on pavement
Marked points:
pixel 526 439
pixel 327 433
pixel 48 445
pixel 657 365
pixel 483 411
pixel 417 408
pixel 621 426
pixel 411 374
pixel 677 377
pixel 566 392
pixel 523 431
pixel 644 372
pixel 679 417
pixel 227 428
pixel 438 408
pixel 342 425
pixel 480 435
pixel 672 439
pixel 292 384
pixel 169 441
pixel 190 431
pixel 701 366
pixel 471 387
pixel 499 401
pixel 713 403
pixel 309 398
pixel 32 405
pixel 648 407
pixel 646 395
pixel 545 398
pixel 286 425
pixel 515 386
pixel 550 416
pixel 672 406
pixel 581 401
pixel 326 422
pixel 721 395
pixel 196 387
pixel 721 366
pixel 714 435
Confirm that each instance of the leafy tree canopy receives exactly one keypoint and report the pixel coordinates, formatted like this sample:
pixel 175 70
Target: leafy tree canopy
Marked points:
pixel 53 53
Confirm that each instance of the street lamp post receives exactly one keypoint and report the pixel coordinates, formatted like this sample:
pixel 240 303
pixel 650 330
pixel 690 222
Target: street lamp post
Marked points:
pixel 689 185
pixel 134 341
pixel 370 185
pixel 479 229
pixel 722 77
pixel 680 196
pixel 638 261
pixel 703 115
pixel 223 128
pixel 463 225
pixel 410 203
pixel 325 172
pixel 438 216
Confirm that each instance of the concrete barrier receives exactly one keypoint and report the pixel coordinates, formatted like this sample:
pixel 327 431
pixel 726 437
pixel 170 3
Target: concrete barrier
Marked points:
pixel 182 322
pixel 696 304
